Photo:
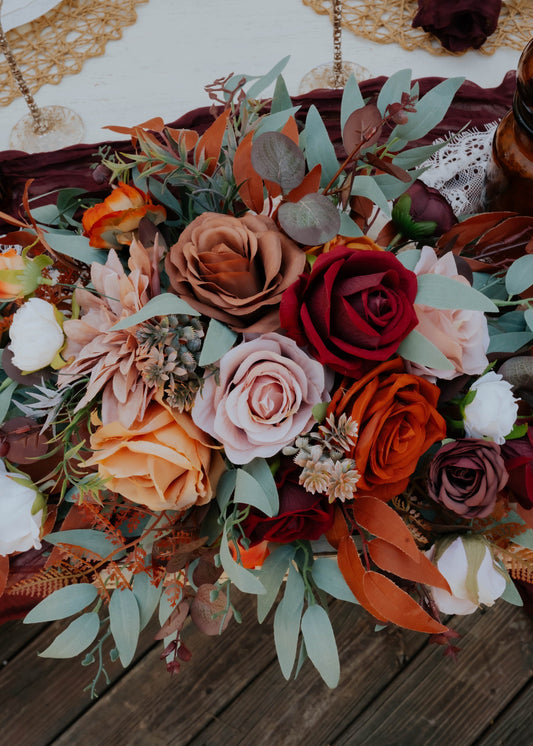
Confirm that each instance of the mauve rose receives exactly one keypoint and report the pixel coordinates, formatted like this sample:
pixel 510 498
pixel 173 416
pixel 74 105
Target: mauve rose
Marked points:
pixel 461 24
pixel 301 515
pixel 234 270
pixel 429 204
pixel 268 388
pixel 466 475
pixel 518 457
pixel 352 310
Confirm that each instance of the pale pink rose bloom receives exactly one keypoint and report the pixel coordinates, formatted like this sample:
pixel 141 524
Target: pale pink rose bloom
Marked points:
pixel 268 387
pixel 461 335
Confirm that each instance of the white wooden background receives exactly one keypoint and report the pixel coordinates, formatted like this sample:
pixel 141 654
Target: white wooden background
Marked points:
pixel 161 64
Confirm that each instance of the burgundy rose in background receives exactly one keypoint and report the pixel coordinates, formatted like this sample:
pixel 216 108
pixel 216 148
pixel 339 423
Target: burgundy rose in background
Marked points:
pixel 422 211
pixel 353 309
pixel 518 457
pixel 301 514
pixel 461 24
pixel 466 475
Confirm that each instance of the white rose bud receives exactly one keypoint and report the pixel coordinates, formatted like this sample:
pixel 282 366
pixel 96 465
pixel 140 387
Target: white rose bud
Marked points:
pixel 19 529
pixel 492 413
pixel 36 336
pixel 474 579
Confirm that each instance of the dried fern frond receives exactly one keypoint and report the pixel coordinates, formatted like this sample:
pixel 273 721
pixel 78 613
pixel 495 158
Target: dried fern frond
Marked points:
pixel 50 579
pixel 517 560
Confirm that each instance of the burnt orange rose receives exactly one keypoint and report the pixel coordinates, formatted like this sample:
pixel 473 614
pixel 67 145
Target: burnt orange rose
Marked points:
pixel 360 242
pixel 235 270
pixel 110 224
pixel 398 422
pixel 163 461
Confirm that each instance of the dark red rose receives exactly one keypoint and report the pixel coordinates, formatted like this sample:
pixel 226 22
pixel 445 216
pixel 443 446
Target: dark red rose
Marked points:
pixel 301 514
pixel 518 457
pixel 352 310
pixel 461 24
pixel 429 204
pixel 466 475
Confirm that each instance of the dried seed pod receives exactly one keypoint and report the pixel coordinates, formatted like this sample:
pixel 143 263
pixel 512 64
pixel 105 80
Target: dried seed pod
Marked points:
pixel 206 614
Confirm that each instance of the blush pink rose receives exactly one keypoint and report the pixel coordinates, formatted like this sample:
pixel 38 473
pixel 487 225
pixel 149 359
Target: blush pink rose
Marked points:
pixel 268 388
pixel 461 335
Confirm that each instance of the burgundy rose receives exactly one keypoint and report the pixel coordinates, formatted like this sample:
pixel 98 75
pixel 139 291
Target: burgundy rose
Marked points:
pixel 459 25
pixel 428 204
pixel 466 475
pixel 518 457
pixel 353 309
pixel 301 514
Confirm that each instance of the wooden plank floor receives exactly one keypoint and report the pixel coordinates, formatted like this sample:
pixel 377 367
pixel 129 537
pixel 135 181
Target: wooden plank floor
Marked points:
pixel 395 690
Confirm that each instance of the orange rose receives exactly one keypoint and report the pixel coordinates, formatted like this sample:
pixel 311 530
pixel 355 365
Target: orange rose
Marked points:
pixel 163 461
pixel 398 422
pixel 110 224
pixel 361 242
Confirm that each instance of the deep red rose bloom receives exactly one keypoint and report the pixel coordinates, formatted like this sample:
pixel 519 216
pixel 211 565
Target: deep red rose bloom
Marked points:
pixel 352 310
pixel 466 475
pixel 461 24
pixel 429 204
pixel 301 514
pixel 518 457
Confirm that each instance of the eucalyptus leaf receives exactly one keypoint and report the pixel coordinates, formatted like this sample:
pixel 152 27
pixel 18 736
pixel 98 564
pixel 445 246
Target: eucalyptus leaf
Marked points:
pixel 94 541
pixel 75 638
pixel 438 291
pixel 392 187
pixel 320 644
pixel 162 305
pixel 509 341
pixel 267 79
pixel 5 399
pixel 392 90
pixel 287 621
pixel 242 578
pixel 312 220
pixel 249 491
pixel 328 577
pixel 430 110
pixel 366 186
pixel 418 349
pixel 281 100
pixel 277 158
pixel 124 621
pixel 259 469
pixel 275 122
pixel 528 317
pixel 416 156
pixel 409 258
pixel 225 488
pixel 147 596
pixel 352 99
pixel 318 146
pixel 519 276
pixel 349 227
pixel 62 603
pixel 75 246
pixel 46 214
pixel 273 570
pixel 511 594
pixel 218 340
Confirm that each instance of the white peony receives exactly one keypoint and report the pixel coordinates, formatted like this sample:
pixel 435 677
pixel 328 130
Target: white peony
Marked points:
pixel 492 413
pixel 458 563
pixel 19 529
pixel 36 336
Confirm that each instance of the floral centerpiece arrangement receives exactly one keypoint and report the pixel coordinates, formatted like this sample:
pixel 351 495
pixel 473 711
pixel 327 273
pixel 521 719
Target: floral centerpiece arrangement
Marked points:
pixel 260 363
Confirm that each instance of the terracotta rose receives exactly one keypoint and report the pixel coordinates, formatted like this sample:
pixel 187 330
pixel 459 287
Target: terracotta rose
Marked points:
pixel 234 270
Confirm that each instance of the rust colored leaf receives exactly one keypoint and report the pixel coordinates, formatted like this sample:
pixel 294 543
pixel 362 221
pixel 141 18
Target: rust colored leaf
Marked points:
pixel 155 123
pixel 210 143
pixel 393 560
pixel 397 606
pixel 339 530
pixel 363 128
pixel 182 138
pixel 4 572
pixel 175 621
pixel 379 519
pixel 249 181
pixel 290 129
pixel 354 573
pixel 309 184
pixel 75 518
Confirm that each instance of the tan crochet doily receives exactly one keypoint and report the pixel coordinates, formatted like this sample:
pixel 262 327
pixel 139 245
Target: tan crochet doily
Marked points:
pixel 59 42
pixel 388 21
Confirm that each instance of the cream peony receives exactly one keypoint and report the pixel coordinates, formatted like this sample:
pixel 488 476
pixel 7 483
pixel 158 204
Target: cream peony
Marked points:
pixel 19 529
pixel 268 388
pixel 36 335
pixel 469 588
pixel 492 413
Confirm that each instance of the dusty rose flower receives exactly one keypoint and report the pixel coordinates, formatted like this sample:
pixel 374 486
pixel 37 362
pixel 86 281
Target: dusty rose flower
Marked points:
pixel 460 335
pixel 461 24
pixel 268 387
pixel 110 358
pixel 466 476
pixel 235 270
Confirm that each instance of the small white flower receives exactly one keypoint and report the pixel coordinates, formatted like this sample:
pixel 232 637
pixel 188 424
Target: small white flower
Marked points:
pixel 19 529
pixel 492 413
pixel 469 588
pixel 36 336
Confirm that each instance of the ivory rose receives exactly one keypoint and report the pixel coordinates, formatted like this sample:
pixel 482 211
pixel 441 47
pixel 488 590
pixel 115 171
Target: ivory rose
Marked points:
pixel 462 336
pixel 19 527
pixel 36 336
pixel 268 388
pixel 162 461
pixel 235 270
pixel 492 412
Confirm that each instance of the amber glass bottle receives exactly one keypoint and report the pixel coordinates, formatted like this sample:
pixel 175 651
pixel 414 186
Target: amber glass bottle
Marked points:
pixel 509 174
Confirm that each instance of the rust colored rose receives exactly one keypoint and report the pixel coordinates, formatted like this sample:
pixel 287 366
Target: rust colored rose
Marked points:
pixel 235 270
pixel 461 24
pixel 353 309
pixel 466 475
pixel 110 224
pixel 398 422
pixel 163 461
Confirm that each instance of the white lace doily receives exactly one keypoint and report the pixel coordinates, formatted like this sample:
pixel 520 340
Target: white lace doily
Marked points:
pixel 458 169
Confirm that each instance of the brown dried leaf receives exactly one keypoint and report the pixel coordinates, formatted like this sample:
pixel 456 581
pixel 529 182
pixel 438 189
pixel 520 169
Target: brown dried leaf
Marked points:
pixel 363 128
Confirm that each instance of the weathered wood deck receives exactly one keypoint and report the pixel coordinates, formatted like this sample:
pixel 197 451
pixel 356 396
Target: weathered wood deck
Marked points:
pixel 395 689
